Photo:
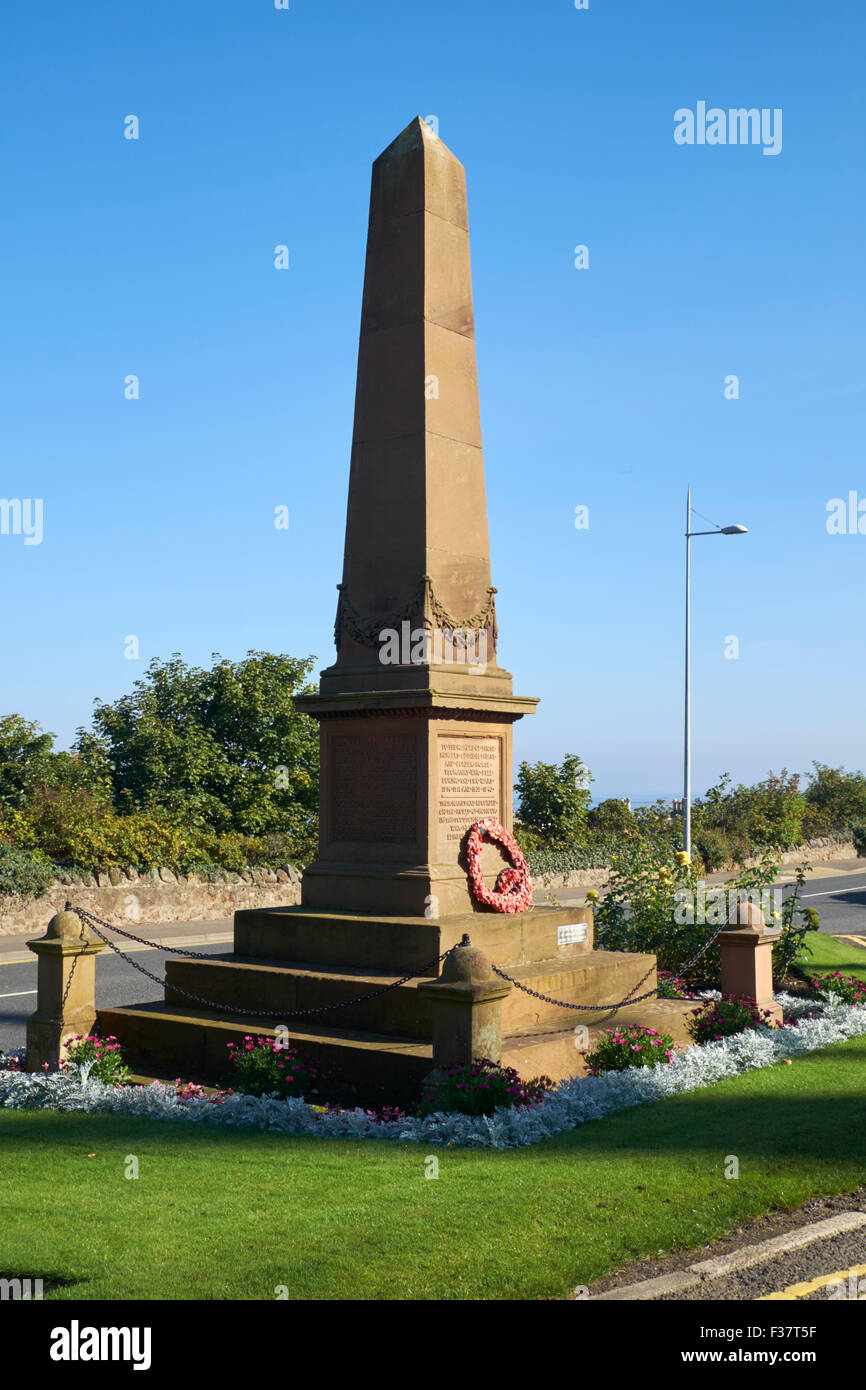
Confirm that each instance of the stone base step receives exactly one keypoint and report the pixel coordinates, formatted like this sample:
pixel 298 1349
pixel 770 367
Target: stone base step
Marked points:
pixel 245 983
pixel 164 1039
pixel 160 1038
pixel 401 944
pixel 594 977
pixel 556 1052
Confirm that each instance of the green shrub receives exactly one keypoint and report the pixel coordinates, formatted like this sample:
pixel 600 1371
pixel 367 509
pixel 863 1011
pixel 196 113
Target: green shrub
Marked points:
pixel 611 820
pixel 726 1016
pixel 554 801
pixel 858 835
pixel 482 1088
pixel 713 848
pixel 642 910
pixel 844 988
pixel 24 872
pixel 105 1054
pixel 834 799
pixel 629 1046
pixel 597 855
pixel 769 814
pixel 262 1067
pixel 223 749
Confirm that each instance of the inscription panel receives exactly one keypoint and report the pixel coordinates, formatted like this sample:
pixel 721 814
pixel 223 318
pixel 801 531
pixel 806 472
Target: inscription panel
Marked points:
pixel 470 787
pixel 374 788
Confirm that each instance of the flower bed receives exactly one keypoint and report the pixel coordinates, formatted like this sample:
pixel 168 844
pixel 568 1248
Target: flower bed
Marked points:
pixel 570 1104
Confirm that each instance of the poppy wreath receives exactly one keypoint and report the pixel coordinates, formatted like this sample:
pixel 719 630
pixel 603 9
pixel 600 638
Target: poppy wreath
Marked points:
pixel 513 891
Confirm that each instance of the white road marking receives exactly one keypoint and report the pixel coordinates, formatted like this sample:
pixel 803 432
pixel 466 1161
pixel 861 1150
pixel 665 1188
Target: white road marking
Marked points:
pixel 18 993
pixel 831 892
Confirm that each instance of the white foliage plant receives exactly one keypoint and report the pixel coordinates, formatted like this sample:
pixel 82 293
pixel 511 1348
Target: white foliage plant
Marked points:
pixel 573 1102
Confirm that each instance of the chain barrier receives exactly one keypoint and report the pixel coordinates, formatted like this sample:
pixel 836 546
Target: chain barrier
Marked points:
pixel 630 998
pixel 88 919
pixel 91 921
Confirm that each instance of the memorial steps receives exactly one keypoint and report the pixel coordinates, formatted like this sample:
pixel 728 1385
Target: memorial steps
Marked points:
pixel 377 1051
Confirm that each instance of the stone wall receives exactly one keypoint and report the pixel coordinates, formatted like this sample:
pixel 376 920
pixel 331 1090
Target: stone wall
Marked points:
pixel 124 897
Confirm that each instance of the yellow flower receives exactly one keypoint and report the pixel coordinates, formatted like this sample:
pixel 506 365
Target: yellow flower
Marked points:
pixel 592 895
pixel 684 857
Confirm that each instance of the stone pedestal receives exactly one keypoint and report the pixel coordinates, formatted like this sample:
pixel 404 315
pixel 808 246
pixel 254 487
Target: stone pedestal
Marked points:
pixel 399 791
pixel 746 947
pixel 65 1003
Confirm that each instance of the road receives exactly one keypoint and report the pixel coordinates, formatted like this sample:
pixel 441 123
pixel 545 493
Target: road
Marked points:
pixel 117 982
pixel 837 891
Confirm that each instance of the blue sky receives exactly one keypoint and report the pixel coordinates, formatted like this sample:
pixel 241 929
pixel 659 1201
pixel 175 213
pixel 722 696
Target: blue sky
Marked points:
pixel 601 387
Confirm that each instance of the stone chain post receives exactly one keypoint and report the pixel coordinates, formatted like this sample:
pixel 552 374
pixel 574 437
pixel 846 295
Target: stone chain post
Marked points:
pixel 747 957
pixel 65 1003
pixel 467 1010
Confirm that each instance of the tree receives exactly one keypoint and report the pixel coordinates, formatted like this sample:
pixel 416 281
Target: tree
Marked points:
pixel 834 798
pixel 554 801
pixel 222 749
pixel 25 757
pixel 612 818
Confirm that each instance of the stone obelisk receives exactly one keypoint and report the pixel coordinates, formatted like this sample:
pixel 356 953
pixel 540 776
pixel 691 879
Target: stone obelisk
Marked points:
pixel 415 713
pixel 415 720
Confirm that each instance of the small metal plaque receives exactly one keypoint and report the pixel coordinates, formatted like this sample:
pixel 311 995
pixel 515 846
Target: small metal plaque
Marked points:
pixel 570 934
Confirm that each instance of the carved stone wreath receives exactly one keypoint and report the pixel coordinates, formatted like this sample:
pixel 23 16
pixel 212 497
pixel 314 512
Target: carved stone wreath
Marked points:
pixel 424 607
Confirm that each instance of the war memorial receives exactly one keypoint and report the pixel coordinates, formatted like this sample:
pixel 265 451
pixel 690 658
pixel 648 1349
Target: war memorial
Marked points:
pixel 416 717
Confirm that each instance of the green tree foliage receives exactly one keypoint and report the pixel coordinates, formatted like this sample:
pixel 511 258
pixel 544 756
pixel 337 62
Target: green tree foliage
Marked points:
pixel 554 801
pixel 611 818
pixel 769 814
pixel 834 799
pixel 222 749
pixel 25 759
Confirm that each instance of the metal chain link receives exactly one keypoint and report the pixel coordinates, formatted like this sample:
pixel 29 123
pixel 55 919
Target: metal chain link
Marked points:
pixel 230 1008
pixel 71 975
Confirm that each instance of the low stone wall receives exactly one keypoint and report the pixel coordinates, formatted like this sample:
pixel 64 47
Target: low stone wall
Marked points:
pixel 818 851
pixel 124 897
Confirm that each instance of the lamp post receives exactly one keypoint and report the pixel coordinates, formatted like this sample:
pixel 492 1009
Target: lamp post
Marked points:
pixel 687 742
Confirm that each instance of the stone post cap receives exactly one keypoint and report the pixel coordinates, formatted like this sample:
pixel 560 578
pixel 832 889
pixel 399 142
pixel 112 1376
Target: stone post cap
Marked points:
pixel 66 929
pixel 467 977
pixel 466 964
pixel 746 913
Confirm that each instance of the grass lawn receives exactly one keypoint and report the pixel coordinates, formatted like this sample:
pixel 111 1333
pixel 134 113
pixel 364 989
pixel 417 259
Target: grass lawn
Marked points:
pixel 217 1214
pixel 829 953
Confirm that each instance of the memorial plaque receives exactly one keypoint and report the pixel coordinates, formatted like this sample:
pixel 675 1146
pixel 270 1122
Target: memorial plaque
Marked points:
pixel 374 788
pixel 571 934
pixel 470 787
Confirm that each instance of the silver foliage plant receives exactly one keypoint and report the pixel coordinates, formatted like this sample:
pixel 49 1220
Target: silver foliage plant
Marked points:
pixel 571 1103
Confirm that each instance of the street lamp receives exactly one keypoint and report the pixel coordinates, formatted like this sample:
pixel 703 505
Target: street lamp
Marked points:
pixel 687 749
